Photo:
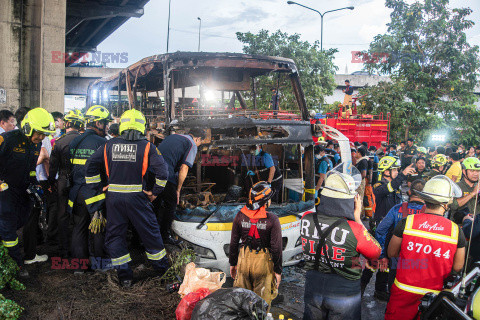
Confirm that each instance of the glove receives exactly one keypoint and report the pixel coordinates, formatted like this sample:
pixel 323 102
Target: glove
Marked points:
pixel 383 264
pixel 250 173
pixel 98 223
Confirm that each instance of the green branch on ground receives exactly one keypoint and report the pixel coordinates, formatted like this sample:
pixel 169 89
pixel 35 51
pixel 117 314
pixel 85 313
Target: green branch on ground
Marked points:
pixel 9 310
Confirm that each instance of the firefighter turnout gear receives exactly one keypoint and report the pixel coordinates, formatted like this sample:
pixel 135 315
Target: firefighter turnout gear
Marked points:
pixel 18 158
pixel 125 161
pixel 259 254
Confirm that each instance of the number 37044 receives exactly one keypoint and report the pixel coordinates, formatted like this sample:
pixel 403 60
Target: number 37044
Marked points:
pixel 427 249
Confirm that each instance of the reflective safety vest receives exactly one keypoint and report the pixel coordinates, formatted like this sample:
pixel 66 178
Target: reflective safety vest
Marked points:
pixel 428 247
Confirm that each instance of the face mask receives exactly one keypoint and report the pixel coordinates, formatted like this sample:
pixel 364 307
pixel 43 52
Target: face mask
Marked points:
pixel 257 152
pixel 318 156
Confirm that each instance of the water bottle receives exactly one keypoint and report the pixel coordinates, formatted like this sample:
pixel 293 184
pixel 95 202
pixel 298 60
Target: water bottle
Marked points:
pixel 269 316
pixel 171 288
pixel 281 317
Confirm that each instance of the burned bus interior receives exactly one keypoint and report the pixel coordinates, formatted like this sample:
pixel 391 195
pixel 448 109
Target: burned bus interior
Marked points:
pixel 225 94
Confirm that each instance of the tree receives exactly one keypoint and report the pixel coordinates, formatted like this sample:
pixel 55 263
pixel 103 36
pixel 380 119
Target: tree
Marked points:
pixel 316 68
pixel 433 69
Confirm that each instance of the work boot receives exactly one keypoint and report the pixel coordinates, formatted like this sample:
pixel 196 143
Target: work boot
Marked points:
pixel 23 273
pixel 381 295
pixel 37 258
pixel 126 283
pixel 171 240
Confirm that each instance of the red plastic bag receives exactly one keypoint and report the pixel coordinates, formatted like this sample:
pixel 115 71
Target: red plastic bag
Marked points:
pixel 187 304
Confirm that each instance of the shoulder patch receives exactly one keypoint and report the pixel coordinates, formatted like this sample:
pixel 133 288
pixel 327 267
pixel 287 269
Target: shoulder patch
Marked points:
pixel 1 140
pixel 378 184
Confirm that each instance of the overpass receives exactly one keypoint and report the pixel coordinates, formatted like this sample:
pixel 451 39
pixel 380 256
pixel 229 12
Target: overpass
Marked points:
pixel 77 80
pixel 36 34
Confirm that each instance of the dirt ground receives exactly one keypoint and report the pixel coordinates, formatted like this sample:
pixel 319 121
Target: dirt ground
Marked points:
pixel 59 294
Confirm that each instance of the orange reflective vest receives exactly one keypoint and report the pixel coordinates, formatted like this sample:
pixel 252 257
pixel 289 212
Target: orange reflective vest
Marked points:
pixel 428 247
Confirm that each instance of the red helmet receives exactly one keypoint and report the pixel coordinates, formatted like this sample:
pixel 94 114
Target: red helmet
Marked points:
pixel 259 195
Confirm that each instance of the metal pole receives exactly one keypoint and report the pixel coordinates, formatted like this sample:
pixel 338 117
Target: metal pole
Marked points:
pixel 199 29
pixel 321 33
pixel 168 28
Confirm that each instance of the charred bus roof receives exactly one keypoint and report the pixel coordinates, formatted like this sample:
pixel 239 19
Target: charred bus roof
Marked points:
pixel 164 73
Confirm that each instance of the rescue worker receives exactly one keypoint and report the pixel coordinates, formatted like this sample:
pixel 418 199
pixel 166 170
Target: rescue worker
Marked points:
pixel 125 161
pixel 409 152
pixel 420 171
pixel 384 230
pixel 322 165
pixel 387 194
pixel 429 247
pixel 437 164
pixel 7 121
pixel 332 286
pixel 255 254
pixel 267 170
pixel 179 152
pixel 421 152
pixel 469 185
pixel 19 150
pixel 81 198
pixel 347 100
pixel 61 165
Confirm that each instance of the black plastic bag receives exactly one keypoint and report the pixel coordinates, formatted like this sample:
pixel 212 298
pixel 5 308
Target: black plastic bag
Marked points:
pixel 231 304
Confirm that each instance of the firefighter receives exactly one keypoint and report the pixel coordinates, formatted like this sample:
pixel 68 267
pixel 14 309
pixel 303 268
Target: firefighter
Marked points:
pixel 81 198
pixel 267 170
pixel 470 187
pixel 428 246
pixel 256 262
pixel 125 161
pixel 384 230
pixel 437 164
pixel 60 164
pixel 19 150
pixel 332 286
pixel 322 165
pixel 387 194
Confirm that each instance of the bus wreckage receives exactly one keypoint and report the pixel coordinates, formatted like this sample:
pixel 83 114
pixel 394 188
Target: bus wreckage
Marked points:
pixel 222 94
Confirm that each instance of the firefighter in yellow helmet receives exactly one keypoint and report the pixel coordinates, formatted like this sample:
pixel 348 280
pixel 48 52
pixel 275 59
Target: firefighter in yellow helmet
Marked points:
pixel 19 151
pixel 387 194
pixel 81 199
pixel 126 160
pixel 437 164
pixel 60 178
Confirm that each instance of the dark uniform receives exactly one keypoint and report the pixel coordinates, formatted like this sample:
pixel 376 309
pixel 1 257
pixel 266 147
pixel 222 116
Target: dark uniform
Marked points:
pixel 18 156
pixel 60 164
pixel 387 195
pixel 125 163
pixel 430 174
pixel 411 152
pixel 263 163
pixel 417 175
pixel 81 198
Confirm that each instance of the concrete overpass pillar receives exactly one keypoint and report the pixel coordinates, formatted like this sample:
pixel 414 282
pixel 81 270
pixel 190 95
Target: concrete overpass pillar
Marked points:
pixel 31 30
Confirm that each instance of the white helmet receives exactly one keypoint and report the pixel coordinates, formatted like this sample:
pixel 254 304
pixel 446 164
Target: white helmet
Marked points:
pixel 440 190
pixel 342 182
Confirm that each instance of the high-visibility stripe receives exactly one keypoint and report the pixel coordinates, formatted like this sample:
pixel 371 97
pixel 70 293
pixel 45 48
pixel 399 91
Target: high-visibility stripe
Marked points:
pixel 79 161
pixel 161 183
pixel 33 174
pixel 389 186
pixel 70 203
pixel 145 159
pixel 125 188
pixel 95 199
pixel 105 159
pixel 122 260
pixel 9 244
pixel 453 238
pixel 156 256
pixel 94 179
pixel 412 289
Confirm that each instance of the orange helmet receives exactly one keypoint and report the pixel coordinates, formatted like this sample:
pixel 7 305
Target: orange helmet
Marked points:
pixel 259 195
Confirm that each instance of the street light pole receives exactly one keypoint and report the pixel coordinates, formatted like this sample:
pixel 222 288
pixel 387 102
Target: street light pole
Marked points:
pixel 321 17
pixel 168 28
pixel 199 29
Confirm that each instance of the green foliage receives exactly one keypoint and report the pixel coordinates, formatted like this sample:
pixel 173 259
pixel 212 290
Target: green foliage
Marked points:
pixel 433 71
pixel 316 68
pixel 178 261
pixel 8 270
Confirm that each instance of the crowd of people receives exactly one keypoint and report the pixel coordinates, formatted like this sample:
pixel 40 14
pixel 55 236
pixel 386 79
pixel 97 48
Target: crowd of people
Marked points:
pixel 72 162
pixel 418 205
pixel 100 179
